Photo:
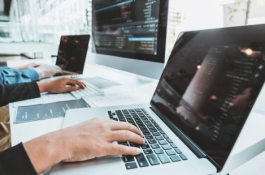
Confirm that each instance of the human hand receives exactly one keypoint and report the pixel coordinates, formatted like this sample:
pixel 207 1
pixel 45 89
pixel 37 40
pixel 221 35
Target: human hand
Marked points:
pixel 82 142
pixel 27 66
pixel 95 139
pixel 60 85
pixel 46 71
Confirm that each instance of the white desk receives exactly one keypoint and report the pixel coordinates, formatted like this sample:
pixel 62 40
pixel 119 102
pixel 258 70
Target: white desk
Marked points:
pixel 146 86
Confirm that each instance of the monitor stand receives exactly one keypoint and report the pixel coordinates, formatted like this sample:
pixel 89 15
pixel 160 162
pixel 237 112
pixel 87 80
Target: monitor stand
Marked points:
pixel 143 68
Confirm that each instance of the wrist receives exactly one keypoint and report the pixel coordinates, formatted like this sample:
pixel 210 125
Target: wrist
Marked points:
pixel 44 152
pixel 43 86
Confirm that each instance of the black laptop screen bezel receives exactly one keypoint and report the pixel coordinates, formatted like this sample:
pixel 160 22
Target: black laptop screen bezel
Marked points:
pixel 85 48
pixel 198 151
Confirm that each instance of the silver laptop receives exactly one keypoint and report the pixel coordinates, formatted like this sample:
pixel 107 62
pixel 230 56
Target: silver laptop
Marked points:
pixel 202 101
pixel 72 54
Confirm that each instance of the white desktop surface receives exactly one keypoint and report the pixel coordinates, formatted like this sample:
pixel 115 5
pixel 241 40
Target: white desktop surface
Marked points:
pixel 253 132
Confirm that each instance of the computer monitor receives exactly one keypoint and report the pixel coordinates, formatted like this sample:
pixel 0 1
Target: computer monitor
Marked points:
pixel 130 35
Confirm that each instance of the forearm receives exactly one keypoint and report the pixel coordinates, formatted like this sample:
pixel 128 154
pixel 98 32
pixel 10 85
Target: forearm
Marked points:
pixel 43 151
pixel 16 92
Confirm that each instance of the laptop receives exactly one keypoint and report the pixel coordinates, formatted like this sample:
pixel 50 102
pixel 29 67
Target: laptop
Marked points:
pixel 72 54
pixel 202 101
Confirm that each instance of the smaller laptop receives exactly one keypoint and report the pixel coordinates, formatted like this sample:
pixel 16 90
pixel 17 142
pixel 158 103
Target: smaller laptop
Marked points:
pixel 72 54
pixel 71 59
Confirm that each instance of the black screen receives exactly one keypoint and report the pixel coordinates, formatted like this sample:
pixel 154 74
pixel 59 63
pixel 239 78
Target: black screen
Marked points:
pixel 210 83
pixel 130 28
pixel 72 53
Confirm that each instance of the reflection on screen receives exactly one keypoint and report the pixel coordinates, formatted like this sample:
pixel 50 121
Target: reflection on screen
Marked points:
pixel 130 26
pixel 211 83
pixel 72 53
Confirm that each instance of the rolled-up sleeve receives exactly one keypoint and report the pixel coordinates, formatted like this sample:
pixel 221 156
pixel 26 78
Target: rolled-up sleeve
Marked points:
pixel 16 92
pixel 9 76
pixel 15 161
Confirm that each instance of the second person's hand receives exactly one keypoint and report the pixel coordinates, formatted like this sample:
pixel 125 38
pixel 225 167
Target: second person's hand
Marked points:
pixel 61 85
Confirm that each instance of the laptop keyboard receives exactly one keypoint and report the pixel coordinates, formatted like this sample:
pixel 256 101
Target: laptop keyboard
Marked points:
pixel 158 149
pixel 89 91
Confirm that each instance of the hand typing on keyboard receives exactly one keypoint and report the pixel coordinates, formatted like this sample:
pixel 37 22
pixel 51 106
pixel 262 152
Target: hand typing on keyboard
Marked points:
pixel 85 141
pixel 158 148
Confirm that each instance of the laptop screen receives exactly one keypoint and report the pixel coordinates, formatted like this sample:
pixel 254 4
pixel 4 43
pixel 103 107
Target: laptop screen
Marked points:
pixel 210 83
pixel 72 53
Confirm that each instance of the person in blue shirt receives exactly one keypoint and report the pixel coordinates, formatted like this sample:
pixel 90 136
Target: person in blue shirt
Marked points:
pixel 27 73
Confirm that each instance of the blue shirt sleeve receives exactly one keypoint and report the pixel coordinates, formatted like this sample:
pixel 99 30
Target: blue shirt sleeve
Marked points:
pixel 9 76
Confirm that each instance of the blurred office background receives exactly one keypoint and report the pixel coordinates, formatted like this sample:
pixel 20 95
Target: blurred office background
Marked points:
pixel 44 21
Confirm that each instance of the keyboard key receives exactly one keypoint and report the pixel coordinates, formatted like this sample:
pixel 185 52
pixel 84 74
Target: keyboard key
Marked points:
pixel 165 136
pixel 162 132
pixel 155 146
pixel 141 160
pixel 178 150
pixel 128 159
pixel 169 141
pixel 149 137
pixel 145 146
pixel 162 142
pixel 173 145
pixel 152 129
pixel 130 165
pixel 148 151
pixel 183 157
pixel 156 133
pixel 159 151
pixel 152 159
pixel 170 152
pixel 159 138
pixel 175 158
pixel 151 141
pixel 163 158
pixel 166 147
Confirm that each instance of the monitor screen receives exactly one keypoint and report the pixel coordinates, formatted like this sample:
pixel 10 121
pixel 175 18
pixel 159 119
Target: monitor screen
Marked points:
pixel 210 84
pixel 72 53
pixel 130 28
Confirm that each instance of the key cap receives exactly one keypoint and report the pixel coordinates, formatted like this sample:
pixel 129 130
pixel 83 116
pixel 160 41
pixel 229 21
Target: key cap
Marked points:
pixel 173 145
pixel 145 146
pixel 159 151
pixel 170 152
pixel 156 133
pixel 155 146
pixel 175 158
pixel 152 159
pixel 159 138
pixel 151 141
pixel 183 157
pixel 166 147
pixel 162 142
pixel 128 159
pixel 141 160
pixel 169 141
pixel 163 158
pixel 130 165
pixel 178 150
pixel 148 151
